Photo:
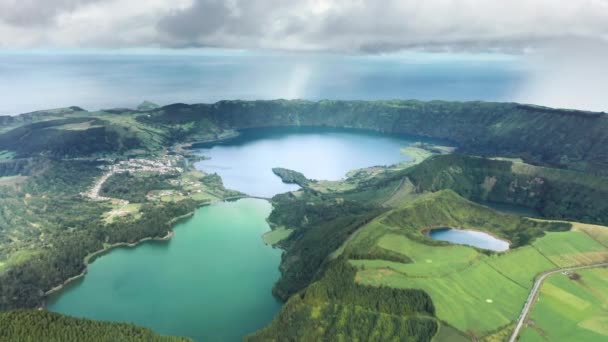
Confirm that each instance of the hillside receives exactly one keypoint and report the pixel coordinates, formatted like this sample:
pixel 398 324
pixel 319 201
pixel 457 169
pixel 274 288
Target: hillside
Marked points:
pixel 545 136
pixel 539 135
pixel 36 325
pixel 555 193
pixel 390 256
pixel 73 183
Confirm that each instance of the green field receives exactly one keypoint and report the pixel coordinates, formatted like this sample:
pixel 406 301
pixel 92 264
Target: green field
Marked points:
pixel 120 210
pixel 449 334
pixel 597 233
pixel 476 300
pixel 17 258
pixel 78 126
pixel 478 293
pixel 276 235
pixel 571 248
pixel 571 310
pixel 416 153
pixel 520 263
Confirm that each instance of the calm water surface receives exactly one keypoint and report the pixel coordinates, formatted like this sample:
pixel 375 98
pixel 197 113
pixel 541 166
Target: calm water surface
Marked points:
pixel 212 281
pixel 245 163
pixel 44 80
pixel 470 238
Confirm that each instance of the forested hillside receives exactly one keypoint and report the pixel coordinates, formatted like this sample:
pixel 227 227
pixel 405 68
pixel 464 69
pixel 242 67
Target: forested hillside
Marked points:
pixel 563 138
pixel 37 325
pixel 554 193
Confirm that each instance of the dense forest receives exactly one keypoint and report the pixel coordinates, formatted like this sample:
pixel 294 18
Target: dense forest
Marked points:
pixel 39 325
pixel 57 229
pixel 291 176
pixel 554 193
pixel 51 138
pixel 335 308
pixel 134 187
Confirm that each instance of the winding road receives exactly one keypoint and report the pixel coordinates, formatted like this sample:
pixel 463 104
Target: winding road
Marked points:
pixel 534 293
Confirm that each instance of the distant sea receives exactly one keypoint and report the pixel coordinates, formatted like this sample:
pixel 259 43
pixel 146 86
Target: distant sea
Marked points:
pixel 99 80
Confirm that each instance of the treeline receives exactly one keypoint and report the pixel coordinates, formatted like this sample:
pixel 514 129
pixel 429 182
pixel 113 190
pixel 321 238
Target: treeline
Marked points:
pixel 335 308
pixel 40 325
pixel 291 177
pixel 47 218
pixel 554 193
pixel 338 285
pixel 9 120
pixel 45 138
pixel 15 167
pixel 540 135
pixel 24 285
pixel 322 224
pixel 47 203
pixel 446 209
pixel 537 134
pixel 135 187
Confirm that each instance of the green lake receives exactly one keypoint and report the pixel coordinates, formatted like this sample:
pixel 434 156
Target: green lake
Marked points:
pixel 212 281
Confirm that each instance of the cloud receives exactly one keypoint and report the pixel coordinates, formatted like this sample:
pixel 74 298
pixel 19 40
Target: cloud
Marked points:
pixel 83 23
pixel 353 26
pixel 567 74
pixel 33 13
pixel 381 26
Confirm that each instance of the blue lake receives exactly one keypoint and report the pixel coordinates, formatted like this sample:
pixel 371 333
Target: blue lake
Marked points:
pixel 245 163
pixel 470 238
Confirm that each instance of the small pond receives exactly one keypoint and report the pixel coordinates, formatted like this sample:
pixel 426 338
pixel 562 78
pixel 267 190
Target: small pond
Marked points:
pixel 470 238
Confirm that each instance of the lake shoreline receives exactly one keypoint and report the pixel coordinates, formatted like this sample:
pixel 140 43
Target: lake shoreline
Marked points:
pixel 427 231
pixel 175 276
pixel 88 259
pixel 91 257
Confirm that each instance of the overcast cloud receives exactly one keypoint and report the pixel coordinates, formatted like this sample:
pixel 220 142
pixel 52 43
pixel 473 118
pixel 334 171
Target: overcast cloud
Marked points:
pixel 354 26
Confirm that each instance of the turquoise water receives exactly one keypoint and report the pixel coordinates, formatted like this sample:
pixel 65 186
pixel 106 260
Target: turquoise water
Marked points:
pixel 212 281
pixel 245 163
pixel 470 238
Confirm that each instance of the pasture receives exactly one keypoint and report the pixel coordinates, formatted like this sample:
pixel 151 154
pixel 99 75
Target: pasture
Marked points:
pixel 570 309
pixel 479 293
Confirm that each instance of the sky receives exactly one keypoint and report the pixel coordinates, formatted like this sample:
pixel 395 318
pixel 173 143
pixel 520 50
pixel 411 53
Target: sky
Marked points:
pixel 563 43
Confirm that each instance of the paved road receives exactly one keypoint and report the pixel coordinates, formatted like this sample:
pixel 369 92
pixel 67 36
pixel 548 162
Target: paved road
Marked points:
pixel 534 292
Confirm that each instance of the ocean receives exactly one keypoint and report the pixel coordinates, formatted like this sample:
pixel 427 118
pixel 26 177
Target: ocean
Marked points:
pixel 95 80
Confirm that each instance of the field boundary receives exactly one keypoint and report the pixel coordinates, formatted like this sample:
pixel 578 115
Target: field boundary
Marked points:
pixel 534 292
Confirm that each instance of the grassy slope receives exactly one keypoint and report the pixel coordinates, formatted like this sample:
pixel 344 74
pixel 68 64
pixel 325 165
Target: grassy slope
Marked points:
pixel 553 192
pixel 571 310
pixel 472 291
pixel 571 249
pixel 378 249
pixel 276 235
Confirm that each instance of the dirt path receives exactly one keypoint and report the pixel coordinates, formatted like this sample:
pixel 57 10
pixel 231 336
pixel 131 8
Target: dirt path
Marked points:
pixel 534 293
pixel 94 192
